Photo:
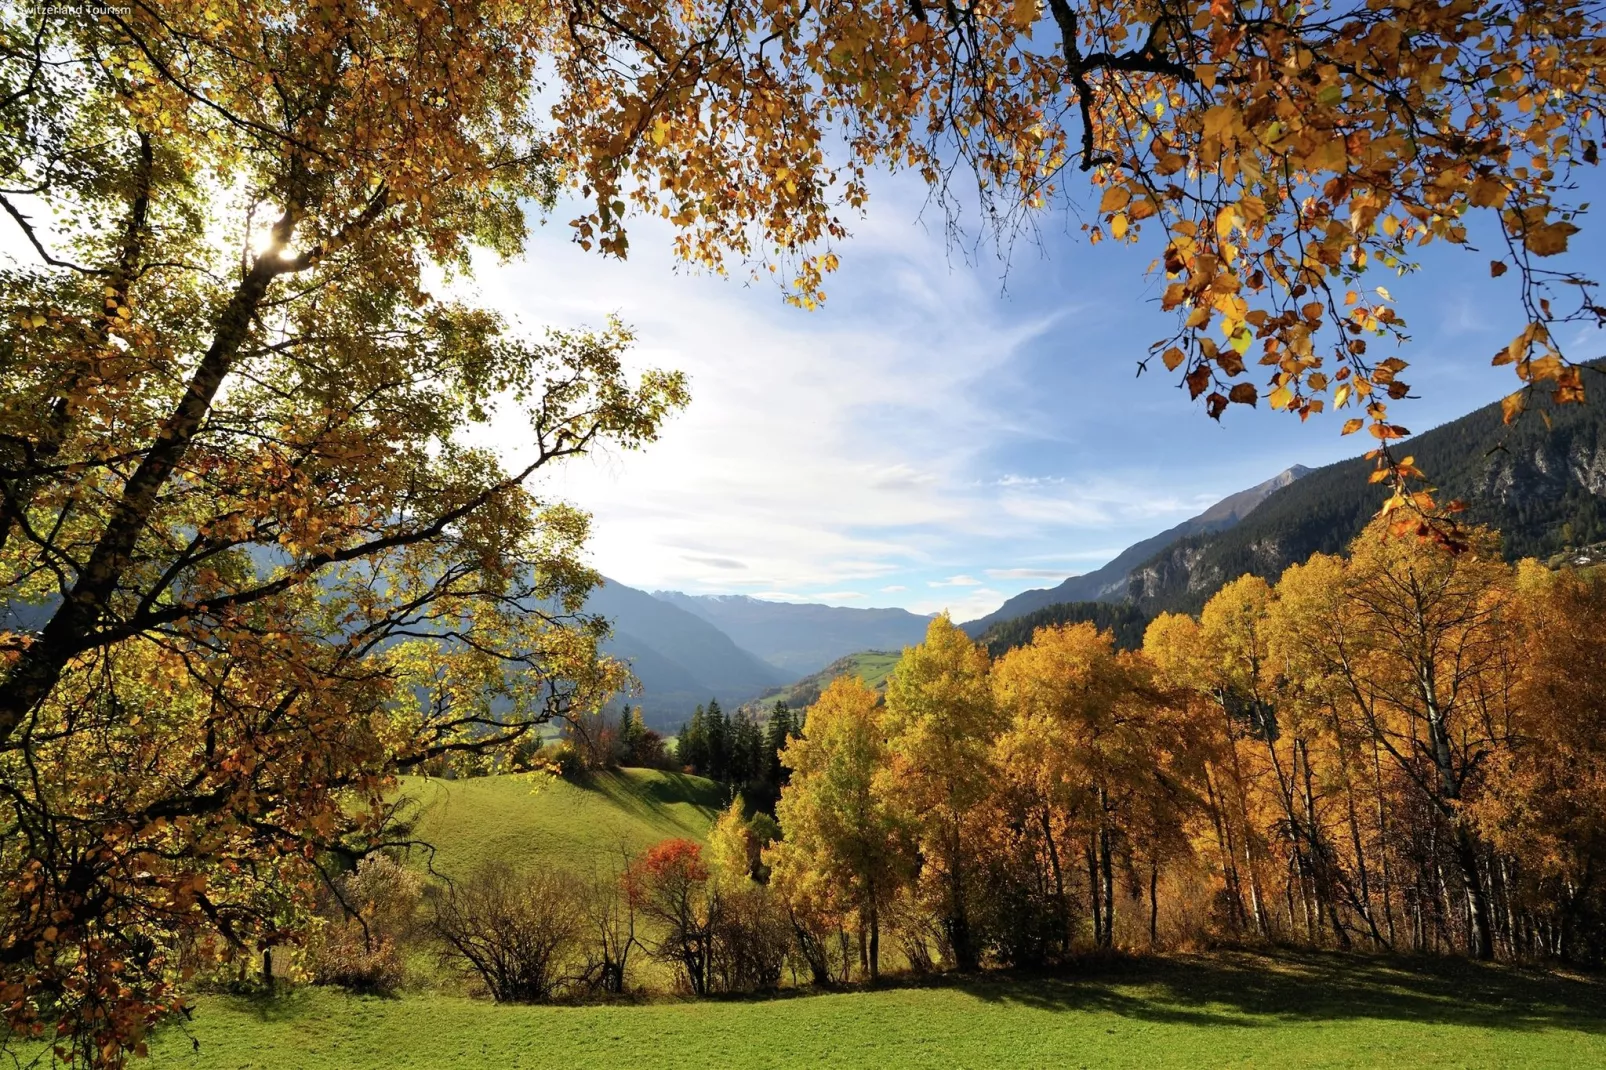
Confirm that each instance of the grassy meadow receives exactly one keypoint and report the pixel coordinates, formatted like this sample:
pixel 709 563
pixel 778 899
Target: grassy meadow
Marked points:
pixel 524 819
pixel 1222 1010
pixel 1226 1009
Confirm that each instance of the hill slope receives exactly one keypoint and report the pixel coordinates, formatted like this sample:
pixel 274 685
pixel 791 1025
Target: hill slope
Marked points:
pixel 526 818
pixel 1109 583
pixel 1544 488
pixel 802 637
pixel 871 666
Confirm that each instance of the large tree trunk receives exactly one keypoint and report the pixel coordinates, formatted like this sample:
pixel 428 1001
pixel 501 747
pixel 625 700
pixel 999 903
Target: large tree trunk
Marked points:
pixel 33 675
pixel 1482 931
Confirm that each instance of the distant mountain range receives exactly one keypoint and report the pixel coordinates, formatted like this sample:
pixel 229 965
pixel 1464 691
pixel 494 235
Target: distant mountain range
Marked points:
pixel 686 649
pixel 1109 583
pixel 1543 486
pixel 802 638
pixel 679 658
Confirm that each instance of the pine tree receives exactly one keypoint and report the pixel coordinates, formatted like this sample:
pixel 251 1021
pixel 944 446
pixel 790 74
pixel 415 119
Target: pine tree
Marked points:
pixel 692 746
pixel 780 729
pixel 717 731
pixel 747 765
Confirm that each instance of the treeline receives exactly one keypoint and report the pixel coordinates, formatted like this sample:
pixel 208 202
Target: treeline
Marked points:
pixel 737 750
pixel 1400 748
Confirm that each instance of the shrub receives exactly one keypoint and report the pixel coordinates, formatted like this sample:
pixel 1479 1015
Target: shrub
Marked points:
pixel 751 937
pixel 368 918
pixel 608 921
pixel 514 930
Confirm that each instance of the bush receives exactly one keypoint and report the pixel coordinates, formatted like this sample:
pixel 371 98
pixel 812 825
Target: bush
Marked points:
pixel 368 918
pixel 608 918
pixel 751 937
pixel 516 931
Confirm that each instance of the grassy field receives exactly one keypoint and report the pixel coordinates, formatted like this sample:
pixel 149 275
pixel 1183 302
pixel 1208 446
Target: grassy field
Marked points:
pixel 1229 1010
pixel 523 819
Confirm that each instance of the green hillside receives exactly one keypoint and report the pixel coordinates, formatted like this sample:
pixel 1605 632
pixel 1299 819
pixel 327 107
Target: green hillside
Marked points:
pixel 521 818
pixel 1236 1010
pixel 872 666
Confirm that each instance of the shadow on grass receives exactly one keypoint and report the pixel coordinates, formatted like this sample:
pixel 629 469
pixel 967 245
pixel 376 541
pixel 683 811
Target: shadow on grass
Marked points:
pixel 1251 990
pixel 649 798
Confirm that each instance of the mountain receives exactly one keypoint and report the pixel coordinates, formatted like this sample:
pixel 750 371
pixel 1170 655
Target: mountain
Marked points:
pixel 802 638
pixel 1109 584
pixel 681 659
pixel 1543 487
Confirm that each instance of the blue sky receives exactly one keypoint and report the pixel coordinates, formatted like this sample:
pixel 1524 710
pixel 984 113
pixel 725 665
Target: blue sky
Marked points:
pixel 942 434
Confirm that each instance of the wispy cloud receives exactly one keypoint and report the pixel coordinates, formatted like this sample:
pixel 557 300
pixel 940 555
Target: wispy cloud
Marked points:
pixel 715 562
pixel 1027 573
pixel 893 588
pixel 955 581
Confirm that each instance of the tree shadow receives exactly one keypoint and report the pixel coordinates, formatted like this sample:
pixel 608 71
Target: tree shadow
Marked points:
pixel 1256 989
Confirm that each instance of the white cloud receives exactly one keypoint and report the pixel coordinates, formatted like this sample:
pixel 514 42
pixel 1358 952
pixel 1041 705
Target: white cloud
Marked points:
pixel 808 456
pixel 893 588
pixel 973 604
pixel 1027 481
pixel 955 581
pixel 1027 573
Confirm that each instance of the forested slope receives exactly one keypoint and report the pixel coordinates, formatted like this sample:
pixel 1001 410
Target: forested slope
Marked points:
pixel 1543 487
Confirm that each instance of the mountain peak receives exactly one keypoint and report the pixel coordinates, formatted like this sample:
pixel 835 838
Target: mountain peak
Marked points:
pixel 1234 507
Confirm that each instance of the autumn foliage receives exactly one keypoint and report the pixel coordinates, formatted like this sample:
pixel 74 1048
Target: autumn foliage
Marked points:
pixel 259 562
pixel 1399 748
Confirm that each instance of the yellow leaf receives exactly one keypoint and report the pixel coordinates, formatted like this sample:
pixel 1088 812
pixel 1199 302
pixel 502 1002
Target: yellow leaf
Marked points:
pixel 1549 239
pixel 1115 199
pixel 1352 425
pixel 1487 192
pixel 1172 358
pixel 1118 226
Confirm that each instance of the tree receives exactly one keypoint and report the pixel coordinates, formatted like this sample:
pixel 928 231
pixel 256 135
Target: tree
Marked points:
pixel 940 721
pixel 1084 750
pixel 1545 806
pixel 779 730
pixel 717 731
pixel 691 746
pixel 838 825
pixel 670 885
pixel 261 563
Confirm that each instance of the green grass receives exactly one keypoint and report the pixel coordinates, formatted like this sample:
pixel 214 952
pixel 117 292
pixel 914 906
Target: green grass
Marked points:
pixel 871 666
pixel 1230 1010
pixel 531 818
